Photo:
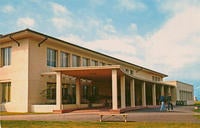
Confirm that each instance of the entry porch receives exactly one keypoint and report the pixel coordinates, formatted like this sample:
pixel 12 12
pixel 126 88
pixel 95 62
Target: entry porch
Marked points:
pixel 101 87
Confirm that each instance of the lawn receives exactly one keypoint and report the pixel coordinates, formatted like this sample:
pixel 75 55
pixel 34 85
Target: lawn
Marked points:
pixel 19 113
pixel 53 124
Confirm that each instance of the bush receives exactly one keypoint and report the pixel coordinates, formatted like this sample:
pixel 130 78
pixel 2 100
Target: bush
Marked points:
pixel 197 103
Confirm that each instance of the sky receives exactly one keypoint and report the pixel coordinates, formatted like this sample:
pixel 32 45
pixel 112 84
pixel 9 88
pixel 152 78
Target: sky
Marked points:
pixel 162 35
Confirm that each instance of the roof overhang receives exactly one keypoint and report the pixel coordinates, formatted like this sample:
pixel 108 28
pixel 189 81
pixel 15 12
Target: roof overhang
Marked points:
pixel 90 72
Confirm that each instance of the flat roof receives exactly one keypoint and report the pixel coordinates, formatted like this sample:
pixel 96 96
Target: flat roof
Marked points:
pixel 46 36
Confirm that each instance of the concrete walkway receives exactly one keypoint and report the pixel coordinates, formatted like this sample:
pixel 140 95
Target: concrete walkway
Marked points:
pixel 180 114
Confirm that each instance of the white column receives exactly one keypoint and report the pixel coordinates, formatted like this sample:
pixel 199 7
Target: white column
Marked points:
pixel 114 89
pixel 70 60
pixel 162 91
pixel 169 91
pixel 78 97
pixel 144 94
pixel 132 91
pixel 59 90
pixel 123 96
pixel 154 94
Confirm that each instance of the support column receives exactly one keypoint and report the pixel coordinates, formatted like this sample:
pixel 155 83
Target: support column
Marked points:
pixel 114 90
pixel 78 97
pixel 123 96
pixel 144 94
pixel 132 91
pixel 162 90
pixel 58 90
pixel 169 91
pixel 154 94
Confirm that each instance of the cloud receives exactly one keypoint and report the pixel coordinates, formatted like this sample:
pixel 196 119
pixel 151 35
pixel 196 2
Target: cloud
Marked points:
pixel 133 27
pixel 25 22
pixel 8 9
pixel 176 6
pixel 176 44
pixel 129 5
pixel 61 23
pixel 59 9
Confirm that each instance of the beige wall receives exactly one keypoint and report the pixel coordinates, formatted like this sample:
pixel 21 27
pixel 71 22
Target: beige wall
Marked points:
pixel 17 74
pixel 184 91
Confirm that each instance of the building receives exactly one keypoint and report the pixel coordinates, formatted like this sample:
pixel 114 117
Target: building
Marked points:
pixel 184 92
pixel 39 73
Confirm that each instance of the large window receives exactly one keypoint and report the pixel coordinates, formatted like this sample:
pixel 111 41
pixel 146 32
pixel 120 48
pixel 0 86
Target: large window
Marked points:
pixel 85 62
pixel 64 59
pixel 51 91
pixel 75 61
pixel 51 57
pixel 6 56
pixel 5 88
pixel 94 63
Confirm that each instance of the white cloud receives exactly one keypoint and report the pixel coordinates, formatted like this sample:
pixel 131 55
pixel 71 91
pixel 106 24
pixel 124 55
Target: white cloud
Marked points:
pixel 8 9
pixel 59 9
pixel 25 22
pixel 61 23
pixel 176 44
pixel 176 6
pixel 133 27
pixel 130 5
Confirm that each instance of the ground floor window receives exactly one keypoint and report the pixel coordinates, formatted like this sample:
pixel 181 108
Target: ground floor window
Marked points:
pixel 51 91
pixel 6 89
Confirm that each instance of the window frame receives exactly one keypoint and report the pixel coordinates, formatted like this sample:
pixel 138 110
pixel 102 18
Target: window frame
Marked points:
pixel 6 56
pixel 64 60
pixel 51 57
pixel 6 88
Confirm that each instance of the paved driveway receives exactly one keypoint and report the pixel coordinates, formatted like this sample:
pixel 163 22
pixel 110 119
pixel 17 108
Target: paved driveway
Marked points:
pixel 180 114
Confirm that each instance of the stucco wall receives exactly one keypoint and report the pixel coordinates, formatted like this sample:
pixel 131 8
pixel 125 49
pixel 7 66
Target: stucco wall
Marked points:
pixel 17 74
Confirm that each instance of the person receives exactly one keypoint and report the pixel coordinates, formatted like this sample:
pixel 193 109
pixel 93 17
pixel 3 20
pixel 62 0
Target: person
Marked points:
pixel 169 104
pixel 162 107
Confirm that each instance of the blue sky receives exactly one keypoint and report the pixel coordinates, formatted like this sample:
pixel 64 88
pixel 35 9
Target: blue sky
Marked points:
pixel 163 35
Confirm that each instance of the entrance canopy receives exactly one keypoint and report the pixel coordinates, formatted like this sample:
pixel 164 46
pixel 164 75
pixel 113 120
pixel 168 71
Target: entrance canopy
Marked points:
pixel 90 73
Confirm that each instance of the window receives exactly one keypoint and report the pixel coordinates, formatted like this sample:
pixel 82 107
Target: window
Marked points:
pixel 85 91
pixel 51 91
pixel 5 87
pixel 75 61
pixel 64 59
pixel 6 56
pixel 85 62
pixel 94 63
pixel 94 91
pixel 65 93
pixel 131 72
pixel 101 64
pixel 51 57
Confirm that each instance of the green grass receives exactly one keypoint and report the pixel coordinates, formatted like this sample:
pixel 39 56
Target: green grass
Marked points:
pixel 19 113
pixel 57 124
pixel 196 110
pixel 198 116
pixel 197 103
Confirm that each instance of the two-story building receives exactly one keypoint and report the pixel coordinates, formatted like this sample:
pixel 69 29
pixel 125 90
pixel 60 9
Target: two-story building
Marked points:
pixel 39 73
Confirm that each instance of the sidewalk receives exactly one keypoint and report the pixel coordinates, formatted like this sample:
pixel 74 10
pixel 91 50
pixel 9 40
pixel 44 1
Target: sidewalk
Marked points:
pixel 180 114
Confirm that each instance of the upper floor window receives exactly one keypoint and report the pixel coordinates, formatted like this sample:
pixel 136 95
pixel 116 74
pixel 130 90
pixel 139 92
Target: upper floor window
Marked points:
pixel 6 56
pixel 85 62
pixel 51 57
pixel 64 59
pixel 101 64
pixel 5 90
pixel 75 61
pixel 94 63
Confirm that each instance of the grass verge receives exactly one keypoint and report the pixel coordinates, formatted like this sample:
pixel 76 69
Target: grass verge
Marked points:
pixel 20 113
pixel 57 124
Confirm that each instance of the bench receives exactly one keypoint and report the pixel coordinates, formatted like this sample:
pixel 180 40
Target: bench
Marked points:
pixel 124 116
